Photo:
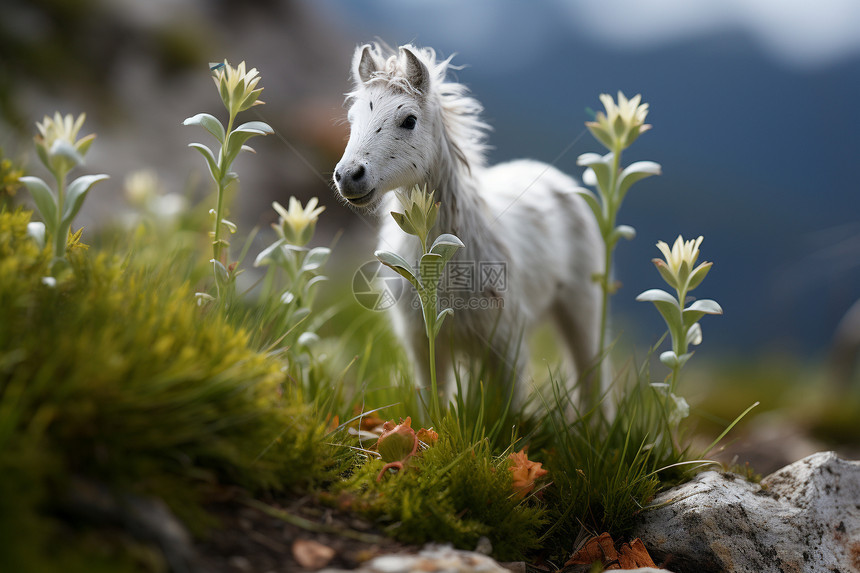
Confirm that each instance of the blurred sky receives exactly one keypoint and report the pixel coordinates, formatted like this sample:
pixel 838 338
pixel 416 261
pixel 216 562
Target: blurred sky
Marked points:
pixel 755 114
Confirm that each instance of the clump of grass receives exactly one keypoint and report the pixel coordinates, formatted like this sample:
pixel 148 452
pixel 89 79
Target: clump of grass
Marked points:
pixel 450 493
pixel 113 373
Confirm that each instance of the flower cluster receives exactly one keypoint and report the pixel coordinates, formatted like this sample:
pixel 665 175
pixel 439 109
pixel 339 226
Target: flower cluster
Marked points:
pixel 419 213
pixel 296 225
pixel 621 124
pixel 677 270
pixel 58 145
pixel 236 86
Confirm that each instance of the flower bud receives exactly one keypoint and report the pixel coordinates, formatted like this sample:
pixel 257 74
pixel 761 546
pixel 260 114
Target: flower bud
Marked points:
pixel 297 224
pixel 621 124
pixel 524 473
pixel 397 443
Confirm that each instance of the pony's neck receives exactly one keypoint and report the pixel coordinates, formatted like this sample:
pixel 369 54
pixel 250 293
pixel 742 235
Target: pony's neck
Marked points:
pixel 463 211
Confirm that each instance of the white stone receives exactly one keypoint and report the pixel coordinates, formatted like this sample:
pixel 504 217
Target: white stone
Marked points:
pixel 804 517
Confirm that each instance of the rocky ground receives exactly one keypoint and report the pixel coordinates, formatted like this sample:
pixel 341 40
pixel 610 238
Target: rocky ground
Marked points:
pixel 803 517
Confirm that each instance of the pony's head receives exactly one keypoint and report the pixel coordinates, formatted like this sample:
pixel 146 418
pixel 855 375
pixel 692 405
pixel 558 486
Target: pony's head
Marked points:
pixel 406 124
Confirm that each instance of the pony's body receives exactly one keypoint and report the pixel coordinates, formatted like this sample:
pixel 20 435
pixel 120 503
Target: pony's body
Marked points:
pixel 523 218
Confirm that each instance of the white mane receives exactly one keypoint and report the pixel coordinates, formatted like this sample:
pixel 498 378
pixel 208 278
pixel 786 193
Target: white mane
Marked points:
pixel 465 129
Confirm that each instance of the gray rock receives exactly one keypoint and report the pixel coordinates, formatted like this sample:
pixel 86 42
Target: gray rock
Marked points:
pixel 431 559
pixel 445 559
pixel 804 517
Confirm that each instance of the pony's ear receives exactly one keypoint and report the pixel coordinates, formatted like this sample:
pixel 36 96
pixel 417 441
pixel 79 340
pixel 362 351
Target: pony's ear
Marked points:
pixel 416 72
pixel 363 64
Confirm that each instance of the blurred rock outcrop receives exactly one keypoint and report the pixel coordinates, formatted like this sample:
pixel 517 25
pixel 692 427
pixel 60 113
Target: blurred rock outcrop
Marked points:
pixel 804 517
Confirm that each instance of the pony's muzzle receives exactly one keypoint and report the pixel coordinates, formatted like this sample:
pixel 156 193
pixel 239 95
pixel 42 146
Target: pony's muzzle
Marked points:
pixel 352 182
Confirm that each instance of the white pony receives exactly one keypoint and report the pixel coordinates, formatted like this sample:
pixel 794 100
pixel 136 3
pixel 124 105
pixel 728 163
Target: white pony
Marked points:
pixel 532 244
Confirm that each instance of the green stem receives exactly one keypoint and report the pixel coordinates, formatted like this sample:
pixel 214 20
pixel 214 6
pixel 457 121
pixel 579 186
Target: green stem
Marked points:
pixel 428 308
pixel 219 205
pixel 434 388
pixel 62 233
pixel 610 211
pixel 679 339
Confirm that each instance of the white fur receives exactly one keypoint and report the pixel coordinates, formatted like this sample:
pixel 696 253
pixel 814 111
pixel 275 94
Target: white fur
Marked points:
pixel 523 213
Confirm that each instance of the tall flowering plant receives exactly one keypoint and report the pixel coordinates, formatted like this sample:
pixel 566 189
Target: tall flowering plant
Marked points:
pixel 616 129
pixel 418 219
pixel 680 272
pixel 60 151
pixel 239 92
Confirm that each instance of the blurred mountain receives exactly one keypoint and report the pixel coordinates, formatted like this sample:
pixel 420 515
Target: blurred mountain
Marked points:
pixel 758 155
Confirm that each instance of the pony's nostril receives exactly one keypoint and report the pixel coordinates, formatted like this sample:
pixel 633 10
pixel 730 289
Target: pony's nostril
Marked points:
pixel 337 176
pixel 359 173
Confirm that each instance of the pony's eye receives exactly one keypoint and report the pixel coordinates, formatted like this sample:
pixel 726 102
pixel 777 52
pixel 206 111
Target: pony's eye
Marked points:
pixel 409 122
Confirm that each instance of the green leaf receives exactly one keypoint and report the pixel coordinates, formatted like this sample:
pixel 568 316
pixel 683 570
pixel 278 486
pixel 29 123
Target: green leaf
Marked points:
pixel 222 276
pixel 635 172
pixel 75 196
pixel 256 127
pixel 62 148
pixel 404 223
pixel 694 335
pixel 699 308
pixel 312 283
pixel 399 265
pixel 600 134
pixel 269 255
pixel 595 207
pixel 210 123
pixel 300 314
pixel 668 307
pixel 432 215
pixel 249 100
pixel 237 138
pixel 45 200
pixel 698 275
pixel 210 160
pixel 665 272
pixel 670 359
pixel 231 226
pixel 316 258
pixel 42 152
pixel 602 167
pixel 657 295
pixel 621 232
pixel 83 145
pixel 430 270
pixel 440 318
pixel 446 246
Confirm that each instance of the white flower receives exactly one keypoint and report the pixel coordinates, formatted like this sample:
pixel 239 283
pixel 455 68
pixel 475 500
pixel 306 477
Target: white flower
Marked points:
pixel 58 145
pixel 622 123
pixel 236 86
pixel 297 224
pixel 677 270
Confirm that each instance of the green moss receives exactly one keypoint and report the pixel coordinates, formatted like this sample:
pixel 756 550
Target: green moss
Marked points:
pixel 115 375
pixel 450 494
